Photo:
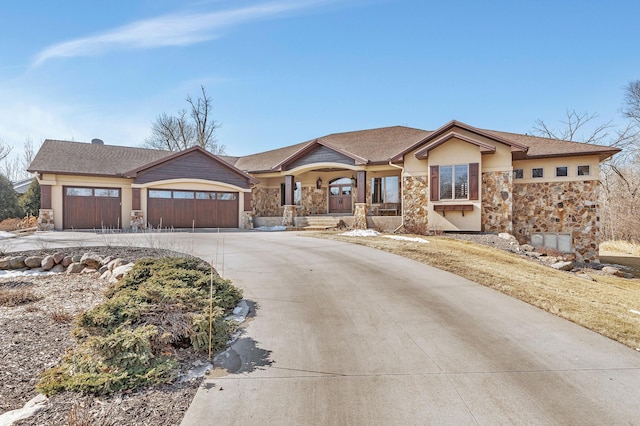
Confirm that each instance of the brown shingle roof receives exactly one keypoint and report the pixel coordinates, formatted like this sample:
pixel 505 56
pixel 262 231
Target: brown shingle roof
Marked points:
pixel 81 158
pixel 540 147
pixel 375 145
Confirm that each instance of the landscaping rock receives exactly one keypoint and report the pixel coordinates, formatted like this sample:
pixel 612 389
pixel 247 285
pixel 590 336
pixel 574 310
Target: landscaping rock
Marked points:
pixel 89 271
pixel 91 260
pixel 66 261
pixel 47 263
pixel 58 256
pixel 506 236
pixel 33 261
pixel 58 268
pixel 106 275
pixel 527 247
pixel 610 270
pixel 563 266
pixel 103 269
pixel 76 258
pixel 116 263
pixel 75 268
pixel 17 262
pixel 106 260
pixel 4 263
pixel 584 276
pixel 120 272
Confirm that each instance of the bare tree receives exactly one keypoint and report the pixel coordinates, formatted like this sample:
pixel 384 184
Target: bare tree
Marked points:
pixel 188 128
pixel 28 152
pixel 631 108
pixel 5 150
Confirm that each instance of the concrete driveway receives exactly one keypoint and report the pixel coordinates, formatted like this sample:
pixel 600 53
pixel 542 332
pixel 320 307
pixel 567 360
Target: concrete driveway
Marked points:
pixel 348 335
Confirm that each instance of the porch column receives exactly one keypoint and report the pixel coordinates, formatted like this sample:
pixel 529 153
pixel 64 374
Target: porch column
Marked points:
pixel 361 184
pixel 289 208
pixel 45 214
pixel 137 215
pixel 360 210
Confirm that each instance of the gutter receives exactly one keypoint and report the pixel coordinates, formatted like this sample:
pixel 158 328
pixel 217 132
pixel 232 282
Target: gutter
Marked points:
pixel 401 193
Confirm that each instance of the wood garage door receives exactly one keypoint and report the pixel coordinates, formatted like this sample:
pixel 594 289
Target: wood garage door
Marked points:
pixel 91 208
pixel 186 209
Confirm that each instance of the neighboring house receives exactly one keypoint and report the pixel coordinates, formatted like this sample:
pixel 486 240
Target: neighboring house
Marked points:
pixel 456 178
pixel 22 186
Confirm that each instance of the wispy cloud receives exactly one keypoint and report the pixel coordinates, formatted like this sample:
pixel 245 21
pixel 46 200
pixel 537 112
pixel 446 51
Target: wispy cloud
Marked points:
pixel 178 29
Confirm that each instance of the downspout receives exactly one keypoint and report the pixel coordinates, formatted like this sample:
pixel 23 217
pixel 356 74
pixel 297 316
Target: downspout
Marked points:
pixel 401 193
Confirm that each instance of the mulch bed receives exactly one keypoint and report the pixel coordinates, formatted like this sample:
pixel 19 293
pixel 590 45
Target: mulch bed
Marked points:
pixel 35 335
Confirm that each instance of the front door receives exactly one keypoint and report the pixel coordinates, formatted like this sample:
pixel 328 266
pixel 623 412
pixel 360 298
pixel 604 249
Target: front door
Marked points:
pixel 340 198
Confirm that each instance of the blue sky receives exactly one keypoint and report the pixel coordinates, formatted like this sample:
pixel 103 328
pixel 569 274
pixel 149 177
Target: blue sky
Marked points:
pixel 282 72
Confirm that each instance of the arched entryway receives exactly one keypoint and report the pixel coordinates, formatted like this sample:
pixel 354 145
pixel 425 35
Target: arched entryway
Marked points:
pixel 340 199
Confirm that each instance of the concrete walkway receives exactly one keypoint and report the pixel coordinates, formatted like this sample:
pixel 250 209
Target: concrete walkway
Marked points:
pixel 348 335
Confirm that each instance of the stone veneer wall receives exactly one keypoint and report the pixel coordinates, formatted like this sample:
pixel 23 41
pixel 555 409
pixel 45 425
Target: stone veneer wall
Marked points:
pixel 559 207
pixel 137 220
pixel 497 202
pixel 266 202
pixel 45 220
pixel 314 201
pixel 416 198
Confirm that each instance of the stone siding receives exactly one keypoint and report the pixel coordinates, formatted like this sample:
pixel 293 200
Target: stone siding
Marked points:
pixel 497 202
pixel 137 220
pixel 266 202
pixel 314 201
pixel 416 198
pixel 45 220
pixel 567 207
pixel 360 216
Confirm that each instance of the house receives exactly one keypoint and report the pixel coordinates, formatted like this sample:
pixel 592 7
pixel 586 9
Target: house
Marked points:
pixel 22 186
pixel 456 178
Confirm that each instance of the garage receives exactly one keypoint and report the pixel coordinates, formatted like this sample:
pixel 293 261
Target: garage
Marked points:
pixel 186 209
pixel 91 208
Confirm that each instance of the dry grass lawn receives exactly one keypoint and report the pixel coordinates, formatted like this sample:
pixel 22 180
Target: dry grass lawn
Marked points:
pixel 603 305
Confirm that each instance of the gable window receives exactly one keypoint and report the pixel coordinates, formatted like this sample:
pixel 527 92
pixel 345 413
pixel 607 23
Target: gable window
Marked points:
pixel 562 171
pixel 518 173
pixel 584 170
pixel 385 189
pixel 537 172
pixel 454 182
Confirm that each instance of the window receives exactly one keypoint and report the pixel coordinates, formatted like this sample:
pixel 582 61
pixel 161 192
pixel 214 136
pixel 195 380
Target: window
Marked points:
pixel 584 170
pixel 297 194
pixel 518 173
pixel 226 196
pixel 112 193
pixel 552 240
pixel 183 195
pixel 562 171
pixel 537 172
pixel 385 189
pixel 205 195
pixel 155 193
pixel 454 182
pixel 79 192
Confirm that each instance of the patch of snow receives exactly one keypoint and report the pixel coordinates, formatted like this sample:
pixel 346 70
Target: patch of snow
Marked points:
pixel 240 312
pixel 4 234
pixel 361 233
pixel 21 273
pixel 271 228
pixel 401 238
pixel 199 370
pixel 31 408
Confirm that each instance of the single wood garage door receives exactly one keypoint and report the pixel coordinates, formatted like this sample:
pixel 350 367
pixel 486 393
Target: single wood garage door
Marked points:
pixel 186 209
pixel 91 208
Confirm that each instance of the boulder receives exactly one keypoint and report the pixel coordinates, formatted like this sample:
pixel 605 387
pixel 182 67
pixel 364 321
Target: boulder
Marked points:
pixel 88 270
pixel 116 263
pixel 610 270
pixel 120 272
pixel 58 256
pixel 33 261
pixel 58 268
pixel 563 266
pixel 47 263
pixel 4 263
pixel 106 260
pixel 17 262
pixel 91 260
pixel 106 275
pixel 66 261
pixel 75 268
pixel 527 247
pixel 103 269
pixel 506 236
pixel 584 276
pixel 76 258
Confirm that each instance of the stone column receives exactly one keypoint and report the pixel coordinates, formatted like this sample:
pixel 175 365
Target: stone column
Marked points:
pixel 137 220
pixel 360 216
pixel 45 220
pixel 288 215
pixel 246 220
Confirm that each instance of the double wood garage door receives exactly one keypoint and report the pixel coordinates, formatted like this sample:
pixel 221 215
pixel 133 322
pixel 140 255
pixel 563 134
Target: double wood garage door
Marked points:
pixel 100 208
pixel 186 209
